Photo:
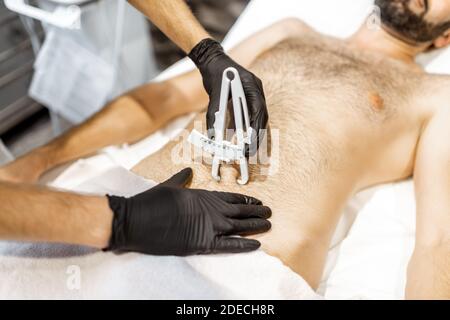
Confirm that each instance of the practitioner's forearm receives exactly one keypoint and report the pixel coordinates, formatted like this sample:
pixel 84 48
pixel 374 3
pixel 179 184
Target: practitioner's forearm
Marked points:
pixel 31 213
pixel 175 19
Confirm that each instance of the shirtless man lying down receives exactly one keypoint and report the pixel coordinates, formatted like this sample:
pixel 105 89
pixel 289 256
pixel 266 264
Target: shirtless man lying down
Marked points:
pixel 350 113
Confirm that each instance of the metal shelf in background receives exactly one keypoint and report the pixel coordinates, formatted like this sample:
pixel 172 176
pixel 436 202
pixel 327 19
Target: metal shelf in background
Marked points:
pixel 10 117
pixel 10 53
pixel 12 76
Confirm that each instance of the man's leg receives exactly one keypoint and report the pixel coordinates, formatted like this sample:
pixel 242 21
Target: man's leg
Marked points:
pixel 127 119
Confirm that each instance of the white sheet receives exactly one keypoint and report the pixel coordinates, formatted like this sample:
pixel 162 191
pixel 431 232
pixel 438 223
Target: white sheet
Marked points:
pixel 371 261
pixel 40 271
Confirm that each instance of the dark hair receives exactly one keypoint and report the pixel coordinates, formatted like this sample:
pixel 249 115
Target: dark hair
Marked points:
pixel 397 16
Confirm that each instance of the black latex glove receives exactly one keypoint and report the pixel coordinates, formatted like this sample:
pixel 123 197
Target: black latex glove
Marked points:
pixel 211 60
pixel 171 220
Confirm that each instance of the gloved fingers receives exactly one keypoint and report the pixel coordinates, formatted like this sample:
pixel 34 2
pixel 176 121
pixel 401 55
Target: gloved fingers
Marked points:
pixel 249 226
pixel 237 198
pixel 235 245
pixel 244 211
pixel 258 121
pixel 181 179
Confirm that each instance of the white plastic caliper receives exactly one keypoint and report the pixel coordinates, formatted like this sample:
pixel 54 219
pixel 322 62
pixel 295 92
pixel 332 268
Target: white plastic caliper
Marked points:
pixel 220 148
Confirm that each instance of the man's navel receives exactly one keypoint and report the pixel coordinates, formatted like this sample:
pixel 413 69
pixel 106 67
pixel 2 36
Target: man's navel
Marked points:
pixel 376 101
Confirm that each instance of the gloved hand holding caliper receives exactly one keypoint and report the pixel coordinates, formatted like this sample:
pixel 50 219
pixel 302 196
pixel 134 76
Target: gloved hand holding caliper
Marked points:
pixel 219 147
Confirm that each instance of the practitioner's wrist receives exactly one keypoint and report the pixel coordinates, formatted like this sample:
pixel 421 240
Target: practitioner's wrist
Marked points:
pixel 100 224
pixel 205 51
pixel 118 208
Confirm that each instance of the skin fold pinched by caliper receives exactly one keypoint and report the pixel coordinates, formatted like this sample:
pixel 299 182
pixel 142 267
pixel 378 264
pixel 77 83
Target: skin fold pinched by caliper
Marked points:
pixel 219 147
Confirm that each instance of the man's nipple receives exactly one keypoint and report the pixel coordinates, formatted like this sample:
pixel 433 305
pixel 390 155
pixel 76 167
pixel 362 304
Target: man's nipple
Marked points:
pixel 376 101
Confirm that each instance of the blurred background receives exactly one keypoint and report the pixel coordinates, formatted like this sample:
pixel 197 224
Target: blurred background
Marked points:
pixel 62 60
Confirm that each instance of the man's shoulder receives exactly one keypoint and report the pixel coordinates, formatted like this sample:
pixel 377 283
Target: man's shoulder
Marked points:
pixel 435 90
pixel 440 80
pixel 297 27
pixel 438 84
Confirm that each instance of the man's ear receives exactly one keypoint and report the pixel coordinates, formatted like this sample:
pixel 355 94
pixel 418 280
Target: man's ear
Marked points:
pixel 443 40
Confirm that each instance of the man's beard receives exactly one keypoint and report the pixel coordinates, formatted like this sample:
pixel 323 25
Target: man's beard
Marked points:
pixel 397 16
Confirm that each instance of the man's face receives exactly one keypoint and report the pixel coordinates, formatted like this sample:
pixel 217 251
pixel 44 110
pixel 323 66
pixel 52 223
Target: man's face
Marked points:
pixel 416 21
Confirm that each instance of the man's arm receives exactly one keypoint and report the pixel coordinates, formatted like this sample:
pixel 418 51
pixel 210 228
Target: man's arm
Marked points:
pixel 429 268
pixel 30 213
pixel 174 19
pixel 141 111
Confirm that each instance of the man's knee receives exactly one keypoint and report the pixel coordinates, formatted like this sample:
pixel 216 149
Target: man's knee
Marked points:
pixel 161 101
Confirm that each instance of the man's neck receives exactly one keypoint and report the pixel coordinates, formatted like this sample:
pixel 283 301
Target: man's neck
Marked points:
pixel 379 40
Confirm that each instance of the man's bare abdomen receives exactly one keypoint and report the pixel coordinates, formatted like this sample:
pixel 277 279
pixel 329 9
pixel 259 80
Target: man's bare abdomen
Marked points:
pixel 336 127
